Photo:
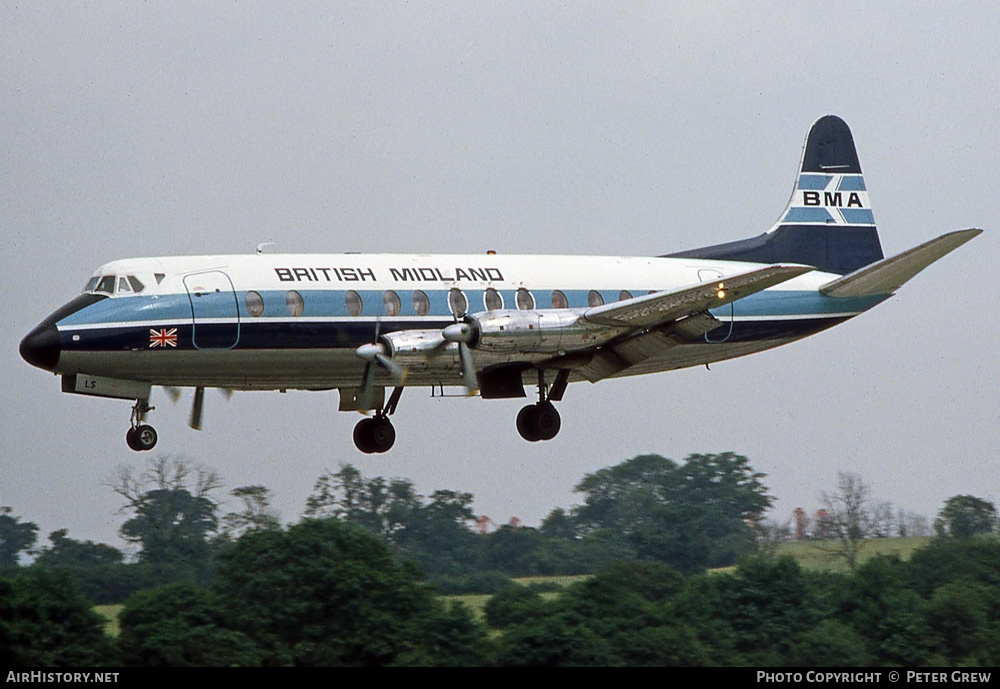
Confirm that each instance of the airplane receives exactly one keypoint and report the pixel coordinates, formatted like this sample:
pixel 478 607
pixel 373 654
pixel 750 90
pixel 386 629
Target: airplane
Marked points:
pixel 488 323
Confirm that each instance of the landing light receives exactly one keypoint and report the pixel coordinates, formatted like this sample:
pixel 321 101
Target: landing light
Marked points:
pixel 722 291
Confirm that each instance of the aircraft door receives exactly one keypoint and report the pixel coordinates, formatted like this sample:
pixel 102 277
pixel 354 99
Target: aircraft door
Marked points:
pixel 215 311
pixel 723 313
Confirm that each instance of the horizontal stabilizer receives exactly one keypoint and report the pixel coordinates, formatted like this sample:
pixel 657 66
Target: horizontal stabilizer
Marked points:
pixel 662 307
pixel 889 274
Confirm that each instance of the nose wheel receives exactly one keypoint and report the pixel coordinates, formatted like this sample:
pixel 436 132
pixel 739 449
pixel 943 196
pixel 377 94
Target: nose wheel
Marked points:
pixel 141 437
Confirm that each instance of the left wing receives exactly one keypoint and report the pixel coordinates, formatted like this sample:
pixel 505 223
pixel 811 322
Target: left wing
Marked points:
pixel 663 307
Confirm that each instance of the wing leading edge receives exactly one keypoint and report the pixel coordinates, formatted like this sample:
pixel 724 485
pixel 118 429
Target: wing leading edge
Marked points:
pixel 663 307
pixel 664 320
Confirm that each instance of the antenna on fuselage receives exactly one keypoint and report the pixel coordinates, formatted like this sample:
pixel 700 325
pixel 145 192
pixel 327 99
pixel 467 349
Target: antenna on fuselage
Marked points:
pixel 260 247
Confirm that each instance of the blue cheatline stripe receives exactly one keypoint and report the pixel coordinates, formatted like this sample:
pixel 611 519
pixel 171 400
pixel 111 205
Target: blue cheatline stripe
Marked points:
pixel 348 336
pixel 858 216
pixel 813 182
pixel 852 183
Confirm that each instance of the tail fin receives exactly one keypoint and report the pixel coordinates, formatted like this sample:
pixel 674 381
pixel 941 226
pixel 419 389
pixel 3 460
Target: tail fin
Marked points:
pixel 828 223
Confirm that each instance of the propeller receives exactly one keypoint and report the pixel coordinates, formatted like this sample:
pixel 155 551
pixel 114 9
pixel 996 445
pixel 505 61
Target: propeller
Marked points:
pixel 462 334
pixel 375 354
pixel 197 407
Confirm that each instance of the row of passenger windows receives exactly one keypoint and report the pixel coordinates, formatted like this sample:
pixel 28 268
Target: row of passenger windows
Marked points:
pixel 458 303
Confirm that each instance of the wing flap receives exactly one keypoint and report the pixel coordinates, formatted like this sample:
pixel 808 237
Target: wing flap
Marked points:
pixel 662 307
pixel 889 274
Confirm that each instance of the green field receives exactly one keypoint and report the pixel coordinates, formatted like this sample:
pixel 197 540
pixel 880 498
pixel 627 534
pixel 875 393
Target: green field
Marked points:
pixel 821 555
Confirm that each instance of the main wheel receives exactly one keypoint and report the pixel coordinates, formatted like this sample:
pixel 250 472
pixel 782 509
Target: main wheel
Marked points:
pixel 364 435
pixel 547 421
pixel 383 435
pixel 374 435
pixel 527 423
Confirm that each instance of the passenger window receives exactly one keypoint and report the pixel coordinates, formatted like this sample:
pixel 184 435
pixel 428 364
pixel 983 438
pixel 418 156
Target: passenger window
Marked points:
pixel 255 304
pixel 525 302
pixel 457 301
pixel 492 300
pixel 391 301
pixel 293 300
pixel 352 300
pixel 137 286
pixel 559 300
pixel 624 294
pixel 594 298
pixel 421 304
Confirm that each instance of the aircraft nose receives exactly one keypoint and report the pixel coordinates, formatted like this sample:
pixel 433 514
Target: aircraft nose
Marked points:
pixel 40 347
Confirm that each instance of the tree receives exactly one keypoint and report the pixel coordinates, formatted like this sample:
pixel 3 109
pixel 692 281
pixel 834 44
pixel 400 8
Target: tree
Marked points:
pixel 851 516
pixel 325 592
pixel 692 515
pixel 97 570
pixel 965 516
pixel 45 623
pixel 256 512
pixel 15 537
pixel 179 625
pixel 173 515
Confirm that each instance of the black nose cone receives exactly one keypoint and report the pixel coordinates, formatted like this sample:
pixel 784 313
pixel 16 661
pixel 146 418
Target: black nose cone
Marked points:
pixel 40 347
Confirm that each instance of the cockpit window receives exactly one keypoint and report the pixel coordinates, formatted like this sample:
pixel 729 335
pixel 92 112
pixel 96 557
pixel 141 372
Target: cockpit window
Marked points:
pixel 91 284
pixel 106 284
pixel 137 286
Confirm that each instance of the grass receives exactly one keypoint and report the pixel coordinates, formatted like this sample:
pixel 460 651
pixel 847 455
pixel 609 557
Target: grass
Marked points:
pixel 110 614
pixel 822 555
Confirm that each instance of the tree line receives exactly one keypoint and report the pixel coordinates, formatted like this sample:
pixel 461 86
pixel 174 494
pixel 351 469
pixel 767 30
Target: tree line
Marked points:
pixel 357 581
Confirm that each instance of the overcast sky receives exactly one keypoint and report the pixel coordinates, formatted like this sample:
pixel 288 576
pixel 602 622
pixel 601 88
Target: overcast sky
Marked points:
pixel 144 129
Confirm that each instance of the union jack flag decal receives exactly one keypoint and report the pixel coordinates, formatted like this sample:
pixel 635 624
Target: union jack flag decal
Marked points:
pixel 163 338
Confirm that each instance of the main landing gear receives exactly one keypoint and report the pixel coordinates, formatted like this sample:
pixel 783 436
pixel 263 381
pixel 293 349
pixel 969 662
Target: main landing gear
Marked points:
pixel 541 421
pixel 141 436
pixel 375 434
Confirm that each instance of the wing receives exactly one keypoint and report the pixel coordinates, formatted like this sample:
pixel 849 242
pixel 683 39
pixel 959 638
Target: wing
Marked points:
pixel 660 308
pixel 663 320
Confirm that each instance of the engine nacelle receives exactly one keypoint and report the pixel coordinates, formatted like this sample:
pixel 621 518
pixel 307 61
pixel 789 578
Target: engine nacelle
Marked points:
pixel 547 331
pixel 420 348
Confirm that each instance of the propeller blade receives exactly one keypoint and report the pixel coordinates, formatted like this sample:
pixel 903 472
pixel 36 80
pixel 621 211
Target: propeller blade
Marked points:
pixel 196 408
pixel 468 370
pixel 365 396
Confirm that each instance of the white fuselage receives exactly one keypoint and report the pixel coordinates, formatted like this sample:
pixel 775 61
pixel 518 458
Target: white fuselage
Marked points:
pixel 295 321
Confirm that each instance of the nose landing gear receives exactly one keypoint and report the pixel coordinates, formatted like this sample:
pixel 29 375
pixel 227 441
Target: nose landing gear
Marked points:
pixel 141 437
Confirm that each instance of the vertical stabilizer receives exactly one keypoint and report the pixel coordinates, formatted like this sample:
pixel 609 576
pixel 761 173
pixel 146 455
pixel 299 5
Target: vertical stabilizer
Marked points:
pixel 828 222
